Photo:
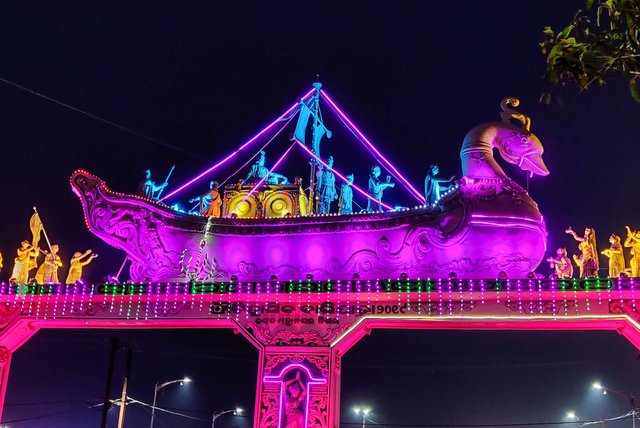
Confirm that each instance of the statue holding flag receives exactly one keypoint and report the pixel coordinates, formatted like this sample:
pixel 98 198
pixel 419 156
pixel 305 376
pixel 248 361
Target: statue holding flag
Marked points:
pixel 48 271
pixel 24 263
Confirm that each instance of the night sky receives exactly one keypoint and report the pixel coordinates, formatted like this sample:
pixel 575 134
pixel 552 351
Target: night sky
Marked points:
pixel 199 78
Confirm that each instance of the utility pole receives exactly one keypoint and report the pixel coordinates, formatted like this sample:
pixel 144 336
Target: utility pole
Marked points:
pixel 107 391
pixel 123 398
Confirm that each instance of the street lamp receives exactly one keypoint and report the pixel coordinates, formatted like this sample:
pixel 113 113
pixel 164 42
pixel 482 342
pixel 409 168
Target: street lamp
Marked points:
pixel 572 415
pixel 216 415
pixel 157 388
pixel 628 397
pixel 364 411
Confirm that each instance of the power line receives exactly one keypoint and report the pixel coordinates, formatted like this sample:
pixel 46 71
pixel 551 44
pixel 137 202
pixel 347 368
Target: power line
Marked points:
pixel 101 119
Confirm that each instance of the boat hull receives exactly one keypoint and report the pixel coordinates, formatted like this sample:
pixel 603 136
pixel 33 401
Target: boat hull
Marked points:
pixel 479 233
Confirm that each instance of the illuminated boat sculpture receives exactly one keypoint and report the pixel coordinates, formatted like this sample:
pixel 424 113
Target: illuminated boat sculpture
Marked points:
pixel 485 225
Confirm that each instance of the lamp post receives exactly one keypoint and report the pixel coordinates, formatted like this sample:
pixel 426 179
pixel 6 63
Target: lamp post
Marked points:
pixel 364 411
pixel 157 388
pixel 628 397
pixel 571 415
pixel 216 415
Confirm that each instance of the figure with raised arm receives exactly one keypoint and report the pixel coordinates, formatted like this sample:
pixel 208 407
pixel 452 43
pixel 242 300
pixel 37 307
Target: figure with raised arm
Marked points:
pixel 326 187
pixel 147 188
pixel 345 203
pixel 615 255
pixel 591 263
pixel 78 261
pixel 295 393
pixel 259 171
pixel 376 188
pixel 633 242
pixel 210 202
pixel 48 271
pixel 563 269
pixel 24 263
pixel 435 186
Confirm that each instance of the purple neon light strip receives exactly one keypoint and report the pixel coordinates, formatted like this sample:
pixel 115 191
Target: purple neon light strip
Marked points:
pixel 234 153
pixel 365 194
pixel 366 141
pixel 259 183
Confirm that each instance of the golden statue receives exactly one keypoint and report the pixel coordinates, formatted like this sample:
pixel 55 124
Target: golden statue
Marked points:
pixel 633 242
pixel 210 202
pixel 78 261
pixel 585 260
pixel 615 255
pixel 24 263
pixel 561 264
pixel 48 270
pixel 588 258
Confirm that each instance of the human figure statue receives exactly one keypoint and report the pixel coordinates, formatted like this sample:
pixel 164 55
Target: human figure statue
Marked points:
pixel 633 242
pixel 326 187
pixel 585 260
pixel 590 264
pixel 210 202
pixel 434 186
pixel 345 203
pixel 78 261
pixel 376 188
pixel 294 396
pixel 147 188
pixel 259 171
pixel 48 270
pixel 615 255
pixel 563 269
pixel 24 263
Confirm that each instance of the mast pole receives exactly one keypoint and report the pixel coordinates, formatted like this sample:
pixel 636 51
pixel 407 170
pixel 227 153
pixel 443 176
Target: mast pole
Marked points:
pixel 316 118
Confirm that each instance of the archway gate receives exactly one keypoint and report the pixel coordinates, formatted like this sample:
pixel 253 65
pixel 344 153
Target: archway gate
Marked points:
pixel 302 329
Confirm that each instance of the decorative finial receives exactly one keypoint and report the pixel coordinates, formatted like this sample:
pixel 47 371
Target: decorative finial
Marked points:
pixel 507 105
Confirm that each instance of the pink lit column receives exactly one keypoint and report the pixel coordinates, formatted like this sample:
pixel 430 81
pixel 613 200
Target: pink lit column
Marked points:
pixel 298 384
pixel 5 363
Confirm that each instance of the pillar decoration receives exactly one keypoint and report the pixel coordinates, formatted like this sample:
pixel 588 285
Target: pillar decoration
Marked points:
pixel 625 307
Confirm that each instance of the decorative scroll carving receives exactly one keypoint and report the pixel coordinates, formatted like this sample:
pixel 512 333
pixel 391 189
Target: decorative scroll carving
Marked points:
pixel 626 308
pixel 5 356
pixel 318 415
pixel 285 337
pixel 269 410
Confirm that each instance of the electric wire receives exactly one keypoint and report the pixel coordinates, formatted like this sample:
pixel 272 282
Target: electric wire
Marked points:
pixel 101 119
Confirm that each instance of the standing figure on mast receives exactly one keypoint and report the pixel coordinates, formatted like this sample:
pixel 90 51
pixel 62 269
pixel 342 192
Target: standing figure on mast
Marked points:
pixel 376 188
pixel 326 187
pixel 345 203
pixel 147 188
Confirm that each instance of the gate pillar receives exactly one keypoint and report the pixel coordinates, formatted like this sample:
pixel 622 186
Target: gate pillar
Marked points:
pixel 5 364
pixel 298 387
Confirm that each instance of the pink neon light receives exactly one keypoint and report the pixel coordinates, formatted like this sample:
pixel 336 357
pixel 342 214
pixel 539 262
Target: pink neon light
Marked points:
pixel 342 176
pixel 259 183
pixel 280 378
pixel 364 139
pixel 235 152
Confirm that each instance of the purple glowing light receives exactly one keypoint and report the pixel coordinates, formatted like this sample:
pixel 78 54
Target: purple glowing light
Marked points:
pixel 238 150
pixel 259 183
pixel 367 195
pixel 363 139
pixel 280 379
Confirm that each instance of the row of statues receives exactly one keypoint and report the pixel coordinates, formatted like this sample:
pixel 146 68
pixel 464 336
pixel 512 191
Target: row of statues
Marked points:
pixel 26 265
pixel 587 260
pixel 326 191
